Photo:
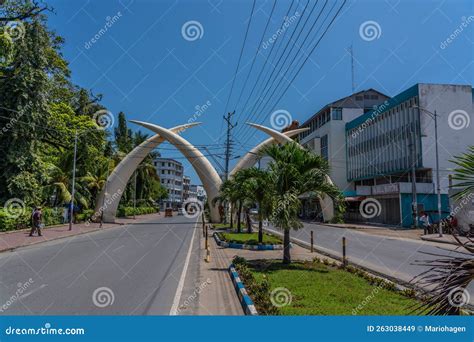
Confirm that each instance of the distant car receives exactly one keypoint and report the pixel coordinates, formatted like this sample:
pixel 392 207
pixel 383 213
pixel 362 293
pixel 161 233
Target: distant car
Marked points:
pixel 253 211
pixel 180 211
pixel 168 212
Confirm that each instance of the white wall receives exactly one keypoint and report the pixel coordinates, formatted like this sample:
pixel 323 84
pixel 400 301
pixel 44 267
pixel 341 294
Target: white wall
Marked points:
pixel 444 99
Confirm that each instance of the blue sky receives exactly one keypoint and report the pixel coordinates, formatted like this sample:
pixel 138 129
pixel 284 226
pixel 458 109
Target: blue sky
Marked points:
pixel 144 66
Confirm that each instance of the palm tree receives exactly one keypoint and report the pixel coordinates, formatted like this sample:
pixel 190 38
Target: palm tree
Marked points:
pixel 464 173
pixel 294 171
pixel 258 191
pixel 228 193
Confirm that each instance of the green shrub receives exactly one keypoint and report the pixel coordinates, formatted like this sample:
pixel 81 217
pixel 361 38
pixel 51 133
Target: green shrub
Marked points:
pixel 130 211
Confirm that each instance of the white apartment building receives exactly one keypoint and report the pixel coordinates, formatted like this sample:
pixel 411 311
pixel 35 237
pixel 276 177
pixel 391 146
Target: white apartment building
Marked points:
pixel 171 176
pixel 384 144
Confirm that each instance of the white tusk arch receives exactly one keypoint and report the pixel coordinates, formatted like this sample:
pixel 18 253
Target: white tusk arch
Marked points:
pixel 206 172
pixel 108 200
pixel 327 204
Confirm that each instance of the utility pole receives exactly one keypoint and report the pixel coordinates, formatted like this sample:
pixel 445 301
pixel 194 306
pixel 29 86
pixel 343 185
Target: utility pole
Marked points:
pixel 71 207
pixel 438 186
pixel 228 152
pixel 414 203
pixel 351 50
pixel 135 194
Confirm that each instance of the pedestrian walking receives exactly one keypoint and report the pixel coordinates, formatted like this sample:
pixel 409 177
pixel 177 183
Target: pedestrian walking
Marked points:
pixel 425 221
pixel 36 219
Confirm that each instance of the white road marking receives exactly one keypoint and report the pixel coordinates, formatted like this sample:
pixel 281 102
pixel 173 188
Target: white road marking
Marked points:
pixel 33 291
pixel 179 289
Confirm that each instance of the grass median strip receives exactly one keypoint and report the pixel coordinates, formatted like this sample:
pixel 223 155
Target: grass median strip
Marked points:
pixel 249 238
pixel 314 288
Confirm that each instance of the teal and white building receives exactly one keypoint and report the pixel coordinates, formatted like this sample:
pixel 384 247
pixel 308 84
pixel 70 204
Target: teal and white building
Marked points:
pixel 382 146
pixel 372 141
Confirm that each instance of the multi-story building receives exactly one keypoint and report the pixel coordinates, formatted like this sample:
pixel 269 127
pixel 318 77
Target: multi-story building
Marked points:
pixel 189 192
pixel 326 137
pixel 391 152
pixel 171 176
pixel 199 191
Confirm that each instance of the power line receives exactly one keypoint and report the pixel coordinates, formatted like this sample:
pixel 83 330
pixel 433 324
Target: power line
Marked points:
pixel 240 57
pixel 312 50
pixel 256 105
pixel 277 41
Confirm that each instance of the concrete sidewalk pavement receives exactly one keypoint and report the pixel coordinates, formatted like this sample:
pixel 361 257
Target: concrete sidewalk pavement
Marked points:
pixel 20 238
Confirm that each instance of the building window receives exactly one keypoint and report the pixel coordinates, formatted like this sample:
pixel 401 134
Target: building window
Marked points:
pixel 162 172
pixel 162 163
pixel 324 147
pixel 374 97
pixel 337 113
pixel 359 98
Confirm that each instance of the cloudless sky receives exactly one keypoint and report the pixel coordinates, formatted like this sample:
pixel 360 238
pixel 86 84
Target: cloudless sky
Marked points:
pixel 144 67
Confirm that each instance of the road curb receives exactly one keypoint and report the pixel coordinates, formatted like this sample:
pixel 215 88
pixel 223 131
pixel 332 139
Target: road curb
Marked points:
pixel 245 300
pixel 226 244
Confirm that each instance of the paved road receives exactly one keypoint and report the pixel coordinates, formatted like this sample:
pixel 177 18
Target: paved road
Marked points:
pixel 140 266
pixel 390 256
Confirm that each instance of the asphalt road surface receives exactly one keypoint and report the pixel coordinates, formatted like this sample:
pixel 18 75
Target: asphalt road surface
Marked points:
pixel 390 256
pixel 136 269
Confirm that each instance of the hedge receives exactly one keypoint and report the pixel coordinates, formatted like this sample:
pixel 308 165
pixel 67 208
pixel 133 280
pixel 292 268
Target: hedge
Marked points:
pixel 130 211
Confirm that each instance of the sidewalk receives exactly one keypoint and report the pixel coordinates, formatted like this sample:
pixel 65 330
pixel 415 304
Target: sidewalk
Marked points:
pixel 20 238
pixel 414 234
pixel 444 239
pixel 221 298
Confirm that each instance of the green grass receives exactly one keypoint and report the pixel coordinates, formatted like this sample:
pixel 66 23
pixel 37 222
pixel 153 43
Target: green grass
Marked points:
pixel 227 225
pixel 250 239
pixel 318 289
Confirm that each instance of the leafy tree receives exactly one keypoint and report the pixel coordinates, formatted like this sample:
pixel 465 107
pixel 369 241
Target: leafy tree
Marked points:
pixel 294 171
pixel 464 173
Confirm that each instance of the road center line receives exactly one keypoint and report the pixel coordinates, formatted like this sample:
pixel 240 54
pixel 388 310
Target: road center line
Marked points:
pixel 179 289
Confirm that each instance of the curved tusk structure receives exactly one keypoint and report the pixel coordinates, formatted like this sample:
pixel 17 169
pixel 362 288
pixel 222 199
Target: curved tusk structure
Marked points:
pixel 327 204
pixel 108 200
pixel 206 172
pixel 249 159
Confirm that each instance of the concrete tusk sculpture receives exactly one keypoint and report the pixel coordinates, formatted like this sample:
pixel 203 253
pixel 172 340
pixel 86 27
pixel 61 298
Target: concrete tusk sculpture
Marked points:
pixel 109 198
pixel 207 174
pixel 327 203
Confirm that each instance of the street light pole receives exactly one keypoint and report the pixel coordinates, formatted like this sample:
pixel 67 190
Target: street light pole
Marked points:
pixel 440 226
pixel 71 207
pixel 434 116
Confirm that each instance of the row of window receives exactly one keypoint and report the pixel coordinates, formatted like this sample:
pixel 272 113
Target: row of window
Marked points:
pixel 321 119
pixel 163 164
pixel 384 143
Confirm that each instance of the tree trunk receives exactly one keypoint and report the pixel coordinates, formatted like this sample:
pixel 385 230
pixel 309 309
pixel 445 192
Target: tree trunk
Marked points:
pixel 231 216
pixel 286 247
pixel 249 222
pixel 239 223
pixel 260 231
